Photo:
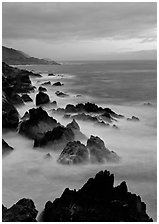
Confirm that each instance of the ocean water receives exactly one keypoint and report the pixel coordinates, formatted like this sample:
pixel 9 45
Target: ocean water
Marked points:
pixel 124 86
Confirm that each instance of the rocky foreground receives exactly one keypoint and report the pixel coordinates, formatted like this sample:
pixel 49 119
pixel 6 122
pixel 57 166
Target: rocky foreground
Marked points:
pixel 97 201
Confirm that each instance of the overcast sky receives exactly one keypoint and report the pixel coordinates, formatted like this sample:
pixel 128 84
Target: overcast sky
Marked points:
pixel 66 31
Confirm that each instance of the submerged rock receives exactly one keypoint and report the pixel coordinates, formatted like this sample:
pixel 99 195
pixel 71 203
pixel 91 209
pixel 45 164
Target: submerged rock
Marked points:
pixel 98 152
pixel 42 89
pixel 6 148
pixel 37 123
pixel 26 98
pixel 133 118
pixel 23 211
pixel 61 94
pixel 97 201
pixel 42 98
pixel 58 84
pixel 74 153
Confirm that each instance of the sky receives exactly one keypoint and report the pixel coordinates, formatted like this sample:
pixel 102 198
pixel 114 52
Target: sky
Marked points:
pixel 81 30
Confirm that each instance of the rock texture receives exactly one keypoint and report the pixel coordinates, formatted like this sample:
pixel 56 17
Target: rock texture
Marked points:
pixel 26 98
pixel 6 148
pixel 74 153
pixel 97 201
pixel 42 98
pixel 23 211
pixel 36 123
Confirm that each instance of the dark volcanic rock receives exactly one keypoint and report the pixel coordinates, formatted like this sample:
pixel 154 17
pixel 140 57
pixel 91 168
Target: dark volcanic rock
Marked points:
pixel 58 84
pixel 42 89
pixel 46 83
pixel 6 148
pixel 37 123
pixel 23 211
pixel 58 136
pixel 26 98
pixel 98 151
pixel 133 118
pixel 10 116
pixel 61 94
pixel 42 98
pixel 97 201
pixel 74 153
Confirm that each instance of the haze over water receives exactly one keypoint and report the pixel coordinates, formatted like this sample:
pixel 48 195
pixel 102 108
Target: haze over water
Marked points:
pixel 124 86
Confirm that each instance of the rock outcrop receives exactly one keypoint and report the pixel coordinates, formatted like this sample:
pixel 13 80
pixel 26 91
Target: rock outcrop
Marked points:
pixel 42 98
pixel 37 123
pixel 97 201
pixel 58 84
pixel 6 148
pixel 23 211
pixel 42 89
pixel 74 153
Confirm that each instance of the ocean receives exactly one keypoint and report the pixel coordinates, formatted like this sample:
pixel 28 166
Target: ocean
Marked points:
pixel 124 86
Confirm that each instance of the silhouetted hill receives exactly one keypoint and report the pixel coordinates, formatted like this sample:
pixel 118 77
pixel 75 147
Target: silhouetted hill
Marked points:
pixel 15 57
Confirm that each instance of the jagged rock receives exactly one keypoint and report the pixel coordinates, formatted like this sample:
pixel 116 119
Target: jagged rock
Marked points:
pixel 74 153
pixel 51 74
pixel 48 156
pixel 102 124
pixel 26 98
pixel 73 125
pixel 98 151
pixel 42 98
pixel 42 89
pixel 10 116
pixel 85 117
pixel 23 211
pixel 97 201
pixel 61 94
pixel 58 84
pixel 46 83
pixel 58 136
pixel 133 118
pixel 76 130
pixel 37 123
pixel 6 148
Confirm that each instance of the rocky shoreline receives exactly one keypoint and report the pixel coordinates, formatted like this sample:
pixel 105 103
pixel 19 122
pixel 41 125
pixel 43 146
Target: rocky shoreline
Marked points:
pixel 98 199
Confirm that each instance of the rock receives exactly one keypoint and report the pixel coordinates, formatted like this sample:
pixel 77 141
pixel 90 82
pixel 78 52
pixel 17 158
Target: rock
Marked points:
pixel 58 136
pixel 58 84
pixel 54 103
pixel 10 116
pixel 74 153
pixel 42 98
pixel 61 94
pixel 115 126
pixel 51 74
pixel 6 148
pixel 97 201
pixel 26 98
pixel 76 130
pixel 85 117
pixel 98 152
pixel 46 83
pixel 23 211
pixel 133 118
pixel 38 124
pixel 42 89
pixel 102 124
pixel 26 116
pixel 48 156
pixel 148 104
pixel 73 125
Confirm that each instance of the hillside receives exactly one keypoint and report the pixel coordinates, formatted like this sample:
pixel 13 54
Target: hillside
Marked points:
pixel 15 57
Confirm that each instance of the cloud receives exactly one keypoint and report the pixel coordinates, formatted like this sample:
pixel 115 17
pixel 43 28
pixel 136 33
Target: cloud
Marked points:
pixel 79 21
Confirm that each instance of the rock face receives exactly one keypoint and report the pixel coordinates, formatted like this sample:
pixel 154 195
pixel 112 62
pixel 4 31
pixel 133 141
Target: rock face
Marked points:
pixel 98 151
pixel 42 98
pixel 26 98
pixel 97 201
pixel 94 152
pixel 58 136
pixel 36 123
pixel 10 116
pixel 23 211
pixel 6 148
pixel 74 153
pixel 58 84
pixel 42 89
